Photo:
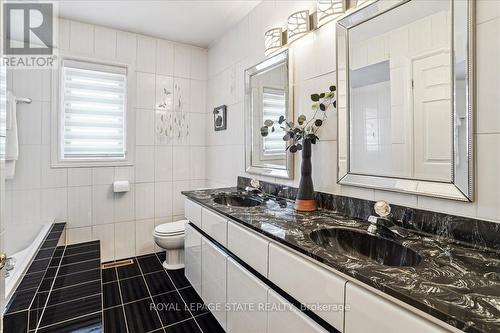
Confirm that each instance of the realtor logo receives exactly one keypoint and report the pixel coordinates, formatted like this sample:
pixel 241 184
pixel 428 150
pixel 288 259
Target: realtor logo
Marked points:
pixel 28 28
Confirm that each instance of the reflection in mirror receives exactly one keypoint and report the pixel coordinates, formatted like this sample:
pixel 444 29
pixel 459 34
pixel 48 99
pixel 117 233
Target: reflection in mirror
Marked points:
pixel 267 96
pixel 404 78
pixel 400 93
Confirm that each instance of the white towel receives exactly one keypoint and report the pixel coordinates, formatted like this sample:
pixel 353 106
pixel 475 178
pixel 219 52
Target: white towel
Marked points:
pixel 11 141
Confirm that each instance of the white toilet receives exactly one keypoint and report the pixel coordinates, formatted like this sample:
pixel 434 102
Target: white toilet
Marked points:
pixel 170 236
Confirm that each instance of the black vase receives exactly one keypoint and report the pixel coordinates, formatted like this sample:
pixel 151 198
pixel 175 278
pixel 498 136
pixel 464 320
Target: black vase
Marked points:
pixel 305 197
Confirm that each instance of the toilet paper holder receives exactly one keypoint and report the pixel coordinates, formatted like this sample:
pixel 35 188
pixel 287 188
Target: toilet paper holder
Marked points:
pixel 120 186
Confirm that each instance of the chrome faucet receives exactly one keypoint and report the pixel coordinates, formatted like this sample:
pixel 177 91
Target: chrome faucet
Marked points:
pixel 383 224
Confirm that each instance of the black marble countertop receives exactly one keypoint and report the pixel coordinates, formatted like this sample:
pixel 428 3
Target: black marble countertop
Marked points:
pixel 455 283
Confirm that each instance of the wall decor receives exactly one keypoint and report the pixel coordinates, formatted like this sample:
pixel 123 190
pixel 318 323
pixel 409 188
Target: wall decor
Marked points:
pixel 220 117
pixel 299 137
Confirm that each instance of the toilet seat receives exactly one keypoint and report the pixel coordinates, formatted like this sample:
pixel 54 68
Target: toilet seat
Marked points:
pixel 171 229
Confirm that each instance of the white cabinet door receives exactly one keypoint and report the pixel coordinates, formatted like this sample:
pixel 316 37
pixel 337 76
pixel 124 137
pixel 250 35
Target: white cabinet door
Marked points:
pixel 246 300
pixel 369 312
pixel 283 317
pixel 192 212
pixel 248 246
pixel 213 280
pixel 214 225
pixel 308 283
pixel 192 257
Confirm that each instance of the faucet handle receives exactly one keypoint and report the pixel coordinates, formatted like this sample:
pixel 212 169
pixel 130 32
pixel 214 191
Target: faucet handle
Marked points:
pixel 382 208
pixel 255 183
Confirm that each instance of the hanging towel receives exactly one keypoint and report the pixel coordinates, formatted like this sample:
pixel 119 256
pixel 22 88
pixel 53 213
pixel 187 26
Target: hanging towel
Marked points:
pixel 11 141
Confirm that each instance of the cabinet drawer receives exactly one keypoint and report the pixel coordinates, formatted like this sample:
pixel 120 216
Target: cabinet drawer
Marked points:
pixel 192 257
pixel 249 247
pixel 369 312
pixel 308 283
pixel 214 225
pixel 246 300
pixel 192 212
pixel 283 317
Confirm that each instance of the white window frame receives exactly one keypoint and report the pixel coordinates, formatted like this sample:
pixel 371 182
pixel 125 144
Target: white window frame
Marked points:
pixel 57 160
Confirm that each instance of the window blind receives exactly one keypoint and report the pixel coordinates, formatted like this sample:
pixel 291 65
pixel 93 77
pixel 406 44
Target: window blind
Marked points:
pixel 94 99
pixel 274 106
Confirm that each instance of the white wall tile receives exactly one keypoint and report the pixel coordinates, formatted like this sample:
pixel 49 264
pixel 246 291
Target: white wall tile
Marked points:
pixel 106 234
pixel 27 173
pixel 178 202
pixel 29 120
pixel 164 57
pixel 103 176
pixel 198 63
pixel 79 206
pixel 145 93
pixel 488 76
pixel 144 164
pixel 32 83
pixel 144 200
pixel 81 38
pixel 79 176
pixel 164 93
pixel 163 163
pixel 182 60
pixel 126 47
pixel 198 99
pixel 144 127
pixel 26 206
pixel 163 199
pixel 125 173
pixel 51 177
pixel 54 204
pixel 198 129
pixel 146 54
pixel 197 163
pixel 488 182
pixel 78 235
pixel 64 31
pixel 144 242
pixel 181 95
pixel 124 240
pixel 125 205
pixel 180 163
pixel 105 43
pixel 102 204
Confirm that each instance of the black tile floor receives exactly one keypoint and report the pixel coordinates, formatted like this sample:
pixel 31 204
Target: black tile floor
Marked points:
pixel 144 297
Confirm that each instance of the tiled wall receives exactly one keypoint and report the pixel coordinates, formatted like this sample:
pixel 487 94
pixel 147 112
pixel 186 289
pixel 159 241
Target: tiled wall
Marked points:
pixel 83 196
pixel 314 69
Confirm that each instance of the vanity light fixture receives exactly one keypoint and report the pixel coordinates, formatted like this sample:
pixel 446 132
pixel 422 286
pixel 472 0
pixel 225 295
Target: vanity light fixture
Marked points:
pixel 273 40
pixel 298 25
pixel 328 10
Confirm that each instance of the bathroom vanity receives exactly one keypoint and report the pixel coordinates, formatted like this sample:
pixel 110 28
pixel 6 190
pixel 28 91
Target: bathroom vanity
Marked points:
pixel 250 256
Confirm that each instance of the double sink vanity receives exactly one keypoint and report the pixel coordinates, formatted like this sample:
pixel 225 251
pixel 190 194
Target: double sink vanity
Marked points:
pixel 326 272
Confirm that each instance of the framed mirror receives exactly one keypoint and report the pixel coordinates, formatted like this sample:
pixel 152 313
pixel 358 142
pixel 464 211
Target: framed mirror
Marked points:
pixel 268 95
pixel 405 107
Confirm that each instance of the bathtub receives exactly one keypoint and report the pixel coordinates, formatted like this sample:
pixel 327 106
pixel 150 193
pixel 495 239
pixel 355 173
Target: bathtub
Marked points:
pixel 23 259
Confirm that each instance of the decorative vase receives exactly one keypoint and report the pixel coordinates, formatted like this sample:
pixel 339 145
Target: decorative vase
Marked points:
pixel 305 197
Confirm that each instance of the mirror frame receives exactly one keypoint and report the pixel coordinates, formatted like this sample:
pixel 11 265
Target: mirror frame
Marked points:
pixel 461 190
pixel 262 67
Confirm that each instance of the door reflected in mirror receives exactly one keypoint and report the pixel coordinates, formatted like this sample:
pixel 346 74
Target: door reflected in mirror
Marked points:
pixel 400 81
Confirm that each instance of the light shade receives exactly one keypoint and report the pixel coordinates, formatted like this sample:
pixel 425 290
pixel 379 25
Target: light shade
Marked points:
pixel 298 25
pixel 273 40
pixel 328 10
